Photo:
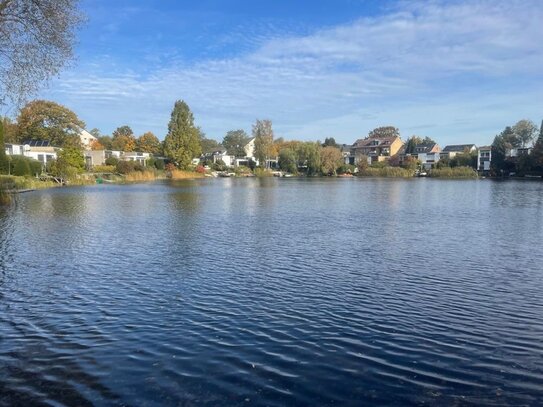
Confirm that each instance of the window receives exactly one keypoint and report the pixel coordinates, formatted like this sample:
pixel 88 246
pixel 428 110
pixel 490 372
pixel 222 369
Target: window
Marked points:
pixel 41 158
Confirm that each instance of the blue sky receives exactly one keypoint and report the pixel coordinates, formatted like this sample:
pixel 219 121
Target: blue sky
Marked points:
pixel 457 71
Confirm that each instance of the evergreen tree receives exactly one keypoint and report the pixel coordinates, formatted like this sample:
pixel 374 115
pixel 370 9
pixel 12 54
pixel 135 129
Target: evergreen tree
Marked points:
pixel 182 143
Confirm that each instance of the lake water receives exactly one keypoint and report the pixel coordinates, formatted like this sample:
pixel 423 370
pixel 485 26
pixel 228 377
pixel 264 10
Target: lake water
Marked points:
pixel 274 292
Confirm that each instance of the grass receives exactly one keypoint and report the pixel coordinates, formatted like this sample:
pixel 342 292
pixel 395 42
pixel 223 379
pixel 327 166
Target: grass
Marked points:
pixel 387 172
pixel 140 176
pixel 180 174
pixel 12 182
pixel 263 172
pixel 456 172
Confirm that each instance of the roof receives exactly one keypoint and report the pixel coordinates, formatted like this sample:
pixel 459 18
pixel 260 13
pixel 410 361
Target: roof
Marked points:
pixel 458 148
pixel 37 143
pixel 375 142
pixel 485 148
pixel 425 148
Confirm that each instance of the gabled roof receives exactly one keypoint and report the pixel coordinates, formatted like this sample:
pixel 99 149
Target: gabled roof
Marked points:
pixel 424 148
pixel 458 148
pixel 375 142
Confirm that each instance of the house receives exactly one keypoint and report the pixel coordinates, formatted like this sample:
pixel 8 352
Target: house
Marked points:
pixel 377 149
pixel 347 153
pixel 99 157
pixel 86 139
pixel 228 160
pixel 513 153
pixel 484 158
pixel 39 150
pixel 452 150
pixel 428 154
pixel 250 149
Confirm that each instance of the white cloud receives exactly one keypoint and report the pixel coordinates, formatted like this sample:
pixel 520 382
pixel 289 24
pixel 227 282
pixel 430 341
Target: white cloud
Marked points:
pixel 422 65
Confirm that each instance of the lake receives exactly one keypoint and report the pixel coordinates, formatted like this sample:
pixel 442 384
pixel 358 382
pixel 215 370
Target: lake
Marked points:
pixel 274 292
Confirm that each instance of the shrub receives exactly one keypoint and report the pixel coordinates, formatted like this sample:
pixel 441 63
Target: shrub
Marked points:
pixel 112 161
pixel 21 167
pixel 159 164
pixel 125 167
pixel 346 169
pixel 219 165
pixel 35 167
pixel 200 169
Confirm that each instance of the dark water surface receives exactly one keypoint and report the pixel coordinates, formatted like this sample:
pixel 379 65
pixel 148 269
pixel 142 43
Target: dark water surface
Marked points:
pixel 274 292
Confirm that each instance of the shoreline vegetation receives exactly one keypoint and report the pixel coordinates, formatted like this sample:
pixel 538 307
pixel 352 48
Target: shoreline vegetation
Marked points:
pixel 68 155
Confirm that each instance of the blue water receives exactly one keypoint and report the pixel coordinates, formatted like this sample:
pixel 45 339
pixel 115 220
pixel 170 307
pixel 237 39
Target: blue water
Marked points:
pixel 274 292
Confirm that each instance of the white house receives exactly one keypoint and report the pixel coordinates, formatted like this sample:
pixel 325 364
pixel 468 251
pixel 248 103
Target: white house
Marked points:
pixel 484 158
pixel 39 150
pixel 86 139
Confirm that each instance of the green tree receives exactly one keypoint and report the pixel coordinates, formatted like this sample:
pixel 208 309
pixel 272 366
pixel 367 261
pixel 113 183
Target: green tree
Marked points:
pixel 263 134
pixel 525 131
pixel 309 157
pixel 36 40
pixel 69 162
pixel 412 142
pixel 384 131
pixel 210 145
pixel 331 159
pixel 149 143
pixel 4 163
pixel 182 143
pixel 503 142
pixel 46 120
pixel 235 141
pixel 288 160
pixel 21 167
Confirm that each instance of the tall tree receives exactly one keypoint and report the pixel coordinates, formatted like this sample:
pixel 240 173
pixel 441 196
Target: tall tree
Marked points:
pixel 36 41
pixel 525 131
pixel 331 159
pixel 235 141
pixel 123 139
pixel 149 143
pixel 263 134
pixel 384 131
pixel 46 120
pixel 182 143
pixel 411 144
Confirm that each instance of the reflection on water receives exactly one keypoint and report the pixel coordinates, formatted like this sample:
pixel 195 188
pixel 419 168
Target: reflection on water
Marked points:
pixel 272 292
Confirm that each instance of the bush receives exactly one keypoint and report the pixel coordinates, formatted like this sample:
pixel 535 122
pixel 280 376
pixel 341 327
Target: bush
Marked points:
pixel 346 169
pixel 219 165
pixel 200 169
pixel 112 161
pixel 21 166
pixel 159 164
pixel 125 167
pixel 36 167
